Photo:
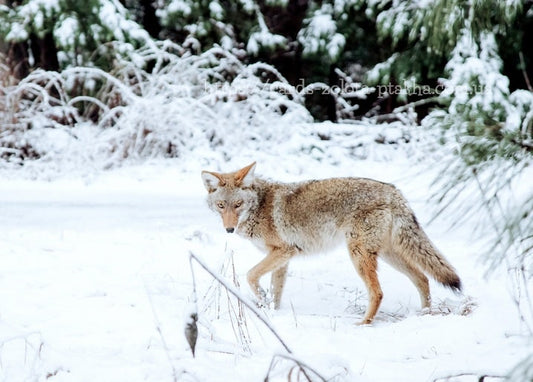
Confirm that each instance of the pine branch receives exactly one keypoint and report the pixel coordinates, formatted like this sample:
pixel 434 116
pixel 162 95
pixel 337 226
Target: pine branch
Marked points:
pixel 420 102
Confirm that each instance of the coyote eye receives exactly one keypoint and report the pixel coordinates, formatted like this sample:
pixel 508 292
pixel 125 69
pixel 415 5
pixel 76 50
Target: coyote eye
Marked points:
pixel 238 204
pixel 220 205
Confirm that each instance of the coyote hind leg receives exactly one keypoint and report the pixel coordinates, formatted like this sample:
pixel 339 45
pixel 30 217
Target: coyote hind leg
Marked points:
pixel 366 264
pixel 415 275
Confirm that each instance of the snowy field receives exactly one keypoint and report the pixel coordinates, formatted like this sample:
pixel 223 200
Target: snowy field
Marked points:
pixel 95 284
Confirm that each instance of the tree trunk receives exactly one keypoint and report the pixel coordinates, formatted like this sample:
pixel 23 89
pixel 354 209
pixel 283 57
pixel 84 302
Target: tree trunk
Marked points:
pixel 45 52
pixel 150 21
pixel 17 59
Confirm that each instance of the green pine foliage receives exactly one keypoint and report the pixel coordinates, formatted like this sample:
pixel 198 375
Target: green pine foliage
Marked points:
pixel 425 33
pixel 84 32
pixel 489 124
pixel 230 24
pixel 204 20
pixel 319 36
pixel 478 99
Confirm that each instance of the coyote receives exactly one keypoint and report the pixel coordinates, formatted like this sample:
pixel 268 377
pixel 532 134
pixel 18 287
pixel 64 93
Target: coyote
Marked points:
pixel 289 219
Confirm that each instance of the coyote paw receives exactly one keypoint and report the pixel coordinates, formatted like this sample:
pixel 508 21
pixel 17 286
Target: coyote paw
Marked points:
pixel 265 300
pixel 262 294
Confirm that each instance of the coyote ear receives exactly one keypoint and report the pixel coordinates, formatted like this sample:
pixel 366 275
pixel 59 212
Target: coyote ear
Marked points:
pixel 245 176
pixel 211 180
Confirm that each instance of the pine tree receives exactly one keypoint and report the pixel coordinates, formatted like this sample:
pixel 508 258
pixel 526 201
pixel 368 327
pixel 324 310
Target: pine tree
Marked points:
pixel 424 34
pixel 63 33
pixel 489 125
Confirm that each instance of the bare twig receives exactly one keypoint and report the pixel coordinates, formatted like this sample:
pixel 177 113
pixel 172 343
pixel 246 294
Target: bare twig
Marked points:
pixel 412 105
pixel 231 289
pixel 240 328
pixel 298 362
pixel 191 329
pixel 480 377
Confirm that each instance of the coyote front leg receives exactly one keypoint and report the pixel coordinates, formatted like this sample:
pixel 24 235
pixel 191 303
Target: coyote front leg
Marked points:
pixel 279 276
pixel 276 262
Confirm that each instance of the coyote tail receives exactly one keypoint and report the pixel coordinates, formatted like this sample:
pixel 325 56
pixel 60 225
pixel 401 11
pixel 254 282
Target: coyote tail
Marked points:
pixel 418 248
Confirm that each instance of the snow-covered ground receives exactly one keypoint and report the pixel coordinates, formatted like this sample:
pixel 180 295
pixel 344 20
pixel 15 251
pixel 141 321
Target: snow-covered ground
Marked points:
pixel 95 284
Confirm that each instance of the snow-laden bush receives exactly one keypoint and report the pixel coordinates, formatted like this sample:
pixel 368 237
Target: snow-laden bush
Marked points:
pixel 206 102
pixel 161 102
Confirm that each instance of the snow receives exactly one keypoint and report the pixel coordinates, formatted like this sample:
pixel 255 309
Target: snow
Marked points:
pixel 95 281
pixel 17 33
pixel 113 16
pixel 34 15
pixel 216 10
pixel 320 34
pixel 65 33
pixel 476 88
pixel 264 39
pixel 178 6
pixel 182 106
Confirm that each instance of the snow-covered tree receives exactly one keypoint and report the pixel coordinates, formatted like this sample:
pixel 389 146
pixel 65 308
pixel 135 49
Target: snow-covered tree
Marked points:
pixel 319 37
pixel 64 33
pixel 230 24
pixel 424 33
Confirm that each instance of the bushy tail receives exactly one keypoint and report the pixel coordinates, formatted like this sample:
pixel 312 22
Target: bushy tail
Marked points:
pixel 416 247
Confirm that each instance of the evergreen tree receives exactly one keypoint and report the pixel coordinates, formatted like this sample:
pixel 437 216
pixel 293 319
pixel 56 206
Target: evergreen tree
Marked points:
pixel 62 33
pixel 489 123
pixel 424 34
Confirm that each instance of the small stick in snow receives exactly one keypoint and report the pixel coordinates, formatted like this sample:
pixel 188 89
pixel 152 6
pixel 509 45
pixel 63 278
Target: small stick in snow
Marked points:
pixel 231 289
pixel 191 329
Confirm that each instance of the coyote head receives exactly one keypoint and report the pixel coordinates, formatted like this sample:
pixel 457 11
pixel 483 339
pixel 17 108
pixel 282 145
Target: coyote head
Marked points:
pixel 231 195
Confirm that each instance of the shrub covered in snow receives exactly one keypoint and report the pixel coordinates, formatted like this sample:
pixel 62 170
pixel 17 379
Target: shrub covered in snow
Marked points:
pixel 158 102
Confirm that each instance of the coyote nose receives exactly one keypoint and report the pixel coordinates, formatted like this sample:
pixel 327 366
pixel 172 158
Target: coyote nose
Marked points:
pixel 230 230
